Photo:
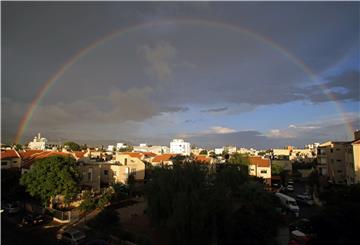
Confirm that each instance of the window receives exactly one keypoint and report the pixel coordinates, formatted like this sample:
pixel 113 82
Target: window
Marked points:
pixel 106 172
pixel 331 150
pixel 338 160
pixel 15 161
pixel 263 171
pixel 89 175
pixel 125 161
pixel 339 171
pixel 3 163
pixel 133 171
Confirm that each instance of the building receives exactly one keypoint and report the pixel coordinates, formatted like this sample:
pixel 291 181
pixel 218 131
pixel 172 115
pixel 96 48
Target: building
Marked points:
pixel 179 146
pixel 164 159
pixel 38 143
pixel 219 151
pixel 356 154
pixel 120 146
pixel 156 149
pixel 331 161
pixel 260 167
pixel 111 148
pixel 281 153
pixel 10 159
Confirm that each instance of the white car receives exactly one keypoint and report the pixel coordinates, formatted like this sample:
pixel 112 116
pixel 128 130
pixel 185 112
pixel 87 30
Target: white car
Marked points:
pixel 290 188
pixel 72 236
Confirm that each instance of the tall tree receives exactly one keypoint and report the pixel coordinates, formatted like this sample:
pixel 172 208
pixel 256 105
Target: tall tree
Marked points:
pixel 238 158
pixel 52 176
pixel 72 146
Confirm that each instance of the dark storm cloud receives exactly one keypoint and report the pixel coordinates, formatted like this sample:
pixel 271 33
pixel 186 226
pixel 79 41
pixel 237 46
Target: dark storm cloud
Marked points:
pixel 344 86
pixel 215 109
pixel 166 69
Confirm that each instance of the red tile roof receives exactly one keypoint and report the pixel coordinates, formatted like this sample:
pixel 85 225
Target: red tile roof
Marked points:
pixel 259 161
pixel 356 142
pixel 163 157
pixel 133 154
pixel 79 154
pixel 202 158
pixel 30 159
pixel 9 154
pixel 149 154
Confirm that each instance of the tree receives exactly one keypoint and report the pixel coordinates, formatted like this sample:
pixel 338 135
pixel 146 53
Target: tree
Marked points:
pixel 128 148
pixel 199 207
pixel 203 152
pixel 72 146
pixel 18 147
pixel 239 158
pixel 276 169
pixel 52 176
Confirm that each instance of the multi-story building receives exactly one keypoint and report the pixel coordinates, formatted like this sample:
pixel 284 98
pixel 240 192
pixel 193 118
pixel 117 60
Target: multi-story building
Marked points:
pixel 179 146
pixel 332 161
pixel 38 143
pixel 260 167
pixel 356 156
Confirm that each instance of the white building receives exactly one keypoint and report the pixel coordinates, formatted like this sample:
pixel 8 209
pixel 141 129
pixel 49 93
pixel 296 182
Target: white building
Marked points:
pixel 157 149
pixel 110 148
pixel 38 143
pixel 179 146
pixel 219 151
pixel 120 146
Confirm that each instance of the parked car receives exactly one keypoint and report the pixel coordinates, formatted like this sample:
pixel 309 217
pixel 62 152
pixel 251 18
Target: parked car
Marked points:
pixel 71 236
pixel 305 199
pixel 290 182
pixel 303 225
pixel 288 203
pixel 290 188
pixel 33 219
pixel 11 208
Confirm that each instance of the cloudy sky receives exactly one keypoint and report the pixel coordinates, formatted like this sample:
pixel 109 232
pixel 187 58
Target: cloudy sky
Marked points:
pixel 249 74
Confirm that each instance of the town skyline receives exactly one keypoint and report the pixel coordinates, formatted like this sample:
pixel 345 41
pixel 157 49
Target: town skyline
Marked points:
pixel 212 73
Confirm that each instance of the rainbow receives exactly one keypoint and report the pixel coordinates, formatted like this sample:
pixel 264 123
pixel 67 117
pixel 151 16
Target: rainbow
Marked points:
pixel 84 51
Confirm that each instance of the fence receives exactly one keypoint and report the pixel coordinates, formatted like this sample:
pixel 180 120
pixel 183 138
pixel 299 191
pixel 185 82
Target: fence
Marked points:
pixel 65 216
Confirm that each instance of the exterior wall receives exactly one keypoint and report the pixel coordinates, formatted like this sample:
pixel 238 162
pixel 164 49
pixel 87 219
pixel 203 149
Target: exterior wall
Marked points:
pixel 219 151
pixel 135 165
pixel 10 163
pixel 262 172
pixel 154 149
pixel 179 146
pixel 332 162
pixel 356 153
pixel 90 176
pixel 113 173
pixel 281 152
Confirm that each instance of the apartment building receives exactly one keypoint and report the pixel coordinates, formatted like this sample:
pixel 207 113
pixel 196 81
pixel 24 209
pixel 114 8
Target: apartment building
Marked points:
pixel 356 159
pixel 260 167
pixel 333 161
pixel 179 146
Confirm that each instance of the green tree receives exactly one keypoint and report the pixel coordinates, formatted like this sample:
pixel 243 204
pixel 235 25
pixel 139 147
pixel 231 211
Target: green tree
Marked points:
pixel 203 152
pixel 52 176
pixel 18 147
pixel 238 158
pixel 128 148
pixel 72 146
pixel 276 169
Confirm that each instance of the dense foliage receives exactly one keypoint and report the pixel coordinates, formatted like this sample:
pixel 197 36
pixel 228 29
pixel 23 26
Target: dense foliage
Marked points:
pixel 51 176
pixel 238 158
pixel 72 146
pixel 199 206
pixel 338 221
pixel 11 190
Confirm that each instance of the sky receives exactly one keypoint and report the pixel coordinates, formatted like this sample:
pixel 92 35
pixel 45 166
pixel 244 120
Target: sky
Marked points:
pixel 250 74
